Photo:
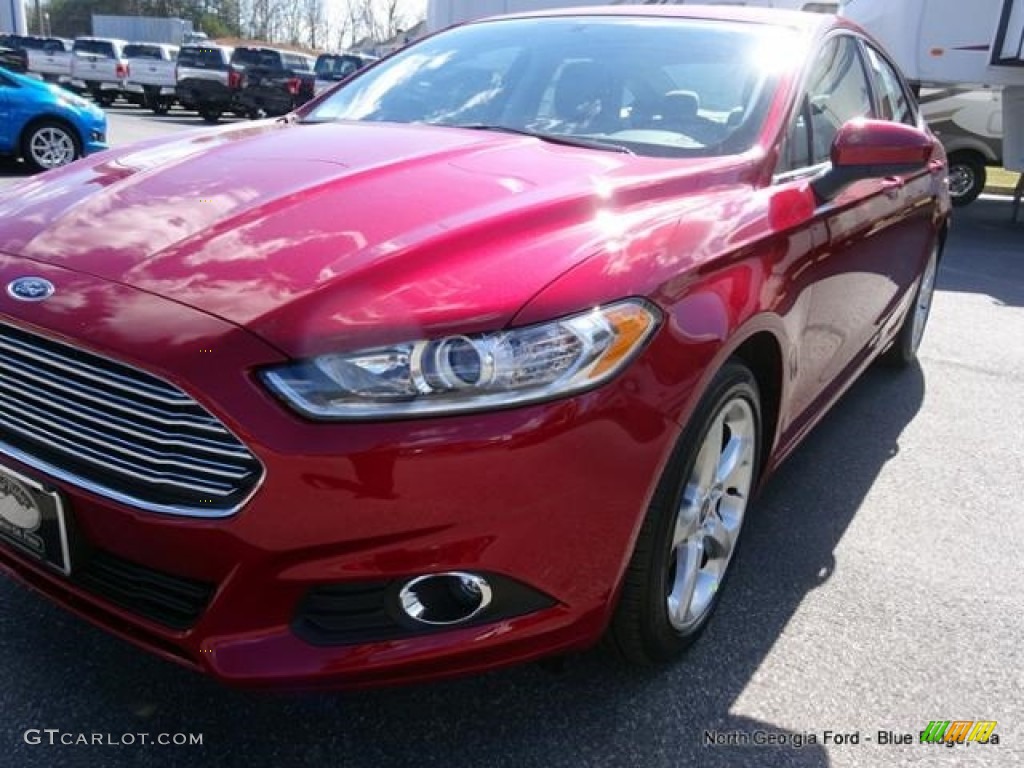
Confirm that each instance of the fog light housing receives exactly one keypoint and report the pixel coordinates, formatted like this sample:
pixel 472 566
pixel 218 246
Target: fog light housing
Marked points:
pixel 445 599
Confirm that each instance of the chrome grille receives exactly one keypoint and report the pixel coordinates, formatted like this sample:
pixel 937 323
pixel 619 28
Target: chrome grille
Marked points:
pixel 117 431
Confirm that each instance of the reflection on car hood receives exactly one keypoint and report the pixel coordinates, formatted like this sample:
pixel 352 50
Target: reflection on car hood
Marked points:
pixel 307 232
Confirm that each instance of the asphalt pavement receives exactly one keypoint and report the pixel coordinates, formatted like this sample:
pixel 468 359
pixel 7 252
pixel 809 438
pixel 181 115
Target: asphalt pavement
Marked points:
pixel 879 587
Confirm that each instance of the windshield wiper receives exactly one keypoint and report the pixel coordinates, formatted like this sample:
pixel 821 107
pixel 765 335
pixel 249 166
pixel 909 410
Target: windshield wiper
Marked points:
pixel 551 138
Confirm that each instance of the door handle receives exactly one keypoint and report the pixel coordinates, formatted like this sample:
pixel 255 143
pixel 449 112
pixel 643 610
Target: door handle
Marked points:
pixel 892 185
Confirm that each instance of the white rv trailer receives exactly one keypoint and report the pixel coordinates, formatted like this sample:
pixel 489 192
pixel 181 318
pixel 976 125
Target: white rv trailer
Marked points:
pixel 948 41
pixel 444 13
pixel 957 42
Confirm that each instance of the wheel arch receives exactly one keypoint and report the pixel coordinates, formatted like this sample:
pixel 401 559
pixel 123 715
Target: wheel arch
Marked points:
pixel 762 344
pixel 978 149
pixel 761 352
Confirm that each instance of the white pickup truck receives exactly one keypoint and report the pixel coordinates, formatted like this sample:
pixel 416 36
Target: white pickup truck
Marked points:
pixel 98 66
pixel 151 75
pixel 48 57
pixel 51 58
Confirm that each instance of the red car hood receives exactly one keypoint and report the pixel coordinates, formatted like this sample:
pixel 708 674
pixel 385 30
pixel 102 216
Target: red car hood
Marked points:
pixel 320 236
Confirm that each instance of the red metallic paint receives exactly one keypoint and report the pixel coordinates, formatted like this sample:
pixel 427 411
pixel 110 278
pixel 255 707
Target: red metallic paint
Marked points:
pixel 877 142
pixel 206 258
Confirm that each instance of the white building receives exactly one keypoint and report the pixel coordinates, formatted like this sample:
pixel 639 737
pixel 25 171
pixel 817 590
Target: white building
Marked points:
pixel 12 17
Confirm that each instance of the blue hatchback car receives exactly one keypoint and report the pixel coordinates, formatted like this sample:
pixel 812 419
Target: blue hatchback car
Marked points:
pixel 46 125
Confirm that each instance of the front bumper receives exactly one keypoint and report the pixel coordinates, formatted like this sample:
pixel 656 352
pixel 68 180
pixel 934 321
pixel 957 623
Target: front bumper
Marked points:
pixel 549 496
pixel 93 131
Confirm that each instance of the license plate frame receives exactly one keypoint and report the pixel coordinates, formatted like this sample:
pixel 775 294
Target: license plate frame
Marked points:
pixel 34 519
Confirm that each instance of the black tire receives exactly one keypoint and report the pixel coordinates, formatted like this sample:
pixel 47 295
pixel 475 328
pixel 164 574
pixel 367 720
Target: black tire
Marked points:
pixel 105 99
pixel 161 108
pixel 967 177
pixel 34 155
pixel 641 630
pixel 903 352
pixel 210 114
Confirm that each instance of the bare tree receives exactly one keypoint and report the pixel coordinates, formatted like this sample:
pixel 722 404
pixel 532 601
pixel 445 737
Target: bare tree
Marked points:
pixel 378 19
pixel 315 23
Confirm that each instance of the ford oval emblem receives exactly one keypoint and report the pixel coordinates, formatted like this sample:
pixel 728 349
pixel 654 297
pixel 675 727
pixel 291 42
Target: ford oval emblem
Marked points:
pixel 30 289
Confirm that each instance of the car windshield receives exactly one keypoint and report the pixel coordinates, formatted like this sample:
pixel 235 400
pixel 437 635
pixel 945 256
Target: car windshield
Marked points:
pixel 661 87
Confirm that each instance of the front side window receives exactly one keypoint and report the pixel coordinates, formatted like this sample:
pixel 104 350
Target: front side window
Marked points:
pixel 667 87
pixel 837 91
pixel 893 102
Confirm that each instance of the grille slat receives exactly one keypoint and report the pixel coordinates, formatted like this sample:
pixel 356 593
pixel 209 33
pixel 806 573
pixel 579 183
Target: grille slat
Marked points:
pixel 124 427
pixel 69 429
pixel 117 431
pixel 28 429
pixel 79 369
pixel 108 400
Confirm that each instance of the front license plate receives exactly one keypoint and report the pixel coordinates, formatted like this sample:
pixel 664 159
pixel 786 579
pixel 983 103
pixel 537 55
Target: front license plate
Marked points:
pixel 32 518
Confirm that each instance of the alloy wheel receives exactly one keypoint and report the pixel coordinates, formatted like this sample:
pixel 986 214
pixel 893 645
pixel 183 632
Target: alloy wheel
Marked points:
pixel 51 146
pixel 961 180
pixel 710 514
pixel 923 303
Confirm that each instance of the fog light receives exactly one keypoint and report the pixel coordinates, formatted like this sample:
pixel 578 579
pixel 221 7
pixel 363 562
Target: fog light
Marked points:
pixel 445 599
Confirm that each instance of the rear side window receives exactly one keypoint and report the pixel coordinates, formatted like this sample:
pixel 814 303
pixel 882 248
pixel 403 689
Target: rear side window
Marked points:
pixel 297 63
pixel 94 48
pixel 33 43
pixel 202 58
pixel 269 59
pixel 136 51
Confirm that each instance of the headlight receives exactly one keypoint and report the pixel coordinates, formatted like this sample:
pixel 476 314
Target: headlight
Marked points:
pixel 71 100
pixel 456 374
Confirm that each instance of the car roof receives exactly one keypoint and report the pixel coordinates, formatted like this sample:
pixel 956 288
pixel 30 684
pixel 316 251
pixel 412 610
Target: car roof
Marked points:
pixel 801 20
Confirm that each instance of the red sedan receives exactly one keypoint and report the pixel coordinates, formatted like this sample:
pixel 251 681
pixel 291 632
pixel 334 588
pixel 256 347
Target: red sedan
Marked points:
pixel 478 357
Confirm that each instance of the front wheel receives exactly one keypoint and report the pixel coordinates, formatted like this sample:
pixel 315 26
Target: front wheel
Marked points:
pixel 209 114
pixel 691 530
pixel 967 177
pixel 903 351
pixel 49 144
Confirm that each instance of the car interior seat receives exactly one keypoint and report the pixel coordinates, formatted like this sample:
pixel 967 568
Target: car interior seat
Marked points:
pixel 584 97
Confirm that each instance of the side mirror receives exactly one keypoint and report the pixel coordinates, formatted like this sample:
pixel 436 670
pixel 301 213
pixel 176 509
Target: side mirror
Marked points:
pixel 868 149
